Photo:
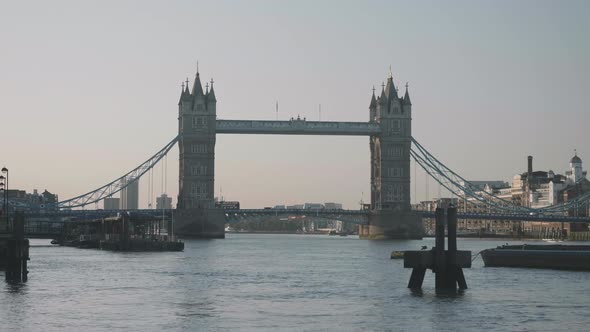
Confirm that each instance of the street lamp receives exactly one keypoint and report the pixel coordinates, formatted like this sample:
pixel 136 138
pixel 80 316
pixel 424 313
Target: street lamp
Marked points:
pixel 5 170
pixel 3 192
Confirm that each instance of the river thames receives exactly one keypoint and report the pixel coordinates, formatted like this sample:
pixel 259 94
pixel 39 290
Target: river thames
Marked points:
pixel 263 282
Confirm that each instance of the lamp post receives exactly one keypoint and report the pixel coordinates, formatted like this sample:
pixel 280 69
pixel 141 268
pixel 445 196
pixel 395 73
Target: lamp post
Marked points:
pixel 5 170
pixel 2 179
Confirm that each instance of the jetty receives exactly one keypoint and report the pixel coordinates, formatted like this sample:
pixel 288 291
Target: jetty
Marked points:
pixel 124 232
pixel 14 249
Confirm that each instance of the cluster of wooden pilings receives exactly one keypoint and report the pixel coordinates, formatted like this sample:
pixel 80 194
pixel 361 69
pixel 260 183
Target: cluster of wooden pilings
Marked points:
pixel 16 253
pixel 446 264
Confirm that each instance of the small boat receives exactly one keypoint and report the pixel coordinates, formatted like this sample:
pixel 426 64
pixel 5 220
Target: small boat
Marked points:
pixel 548 256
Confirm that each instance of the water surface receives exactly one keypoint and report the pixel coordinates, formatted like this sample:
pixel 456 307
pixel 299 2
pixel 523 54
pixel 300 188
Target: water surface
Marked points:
pixel 262 282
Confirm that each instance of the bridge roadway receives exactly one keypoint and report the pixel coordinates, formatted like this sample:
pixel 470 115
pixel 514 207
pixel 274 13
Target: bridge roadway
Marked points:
pixel 48 225
pixel 59 216
pixel 334 214
pixel 297 127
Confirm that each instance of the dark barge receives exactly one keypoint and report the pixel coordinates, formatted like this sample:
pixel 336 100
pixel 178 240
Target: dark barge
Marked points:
pixel 125 232
pixel 554 256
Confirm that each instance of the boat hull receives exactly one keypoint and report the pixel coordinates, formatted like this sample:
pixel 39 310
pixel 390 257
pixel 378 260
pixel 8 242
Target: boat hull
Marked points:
pixel 543 256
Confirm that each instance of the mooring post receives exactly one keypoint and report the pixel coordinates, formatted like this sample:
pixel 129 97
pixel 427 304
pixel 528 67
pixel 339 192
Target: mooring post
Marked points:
pixel 125 231
pixel 17 251
pixel 417 277
pixel 439 254
pixel 447 265
pixel 451 282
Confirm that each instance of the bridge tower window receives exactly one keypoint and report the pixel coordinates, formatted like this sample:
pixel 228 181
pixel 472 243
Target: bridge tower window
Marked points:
pixel 395 172
pixel 199 122
pixel 398 193
pixel 198 148
pixel 395 126
pixel 395 151
pixel 199 170
pixel 199 190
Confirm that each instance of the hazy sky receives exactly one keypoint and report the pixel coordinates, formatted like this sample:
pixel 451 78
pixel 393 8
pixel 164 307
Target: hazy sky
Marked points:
pixel 89 89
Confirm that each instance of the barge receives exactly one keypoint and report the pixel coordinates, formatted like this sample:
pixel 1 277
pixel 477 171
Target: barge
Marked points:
pixel 125 232
pixel 556 256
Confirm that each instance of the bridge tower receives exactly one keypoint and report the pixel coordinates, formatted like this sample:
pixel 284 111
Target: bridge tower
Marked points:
pixel 196 213
pixel 391 215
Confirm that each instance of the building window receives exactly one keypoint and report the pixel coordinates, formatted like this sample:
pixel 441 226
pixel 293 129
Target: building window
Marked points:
pixel 199 148
pixel 398 193
pixel 394 193
pixel 199 190
pixel 199 170
pixel 396 126
pixel 199 122
pixel 395 151
pixel 395 172
pixel 389 193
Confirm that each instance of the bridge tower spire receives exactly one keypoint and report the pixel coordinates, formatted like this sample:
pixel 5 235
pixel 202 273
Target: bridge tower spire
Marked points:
pixel 197 87
pixel 373 107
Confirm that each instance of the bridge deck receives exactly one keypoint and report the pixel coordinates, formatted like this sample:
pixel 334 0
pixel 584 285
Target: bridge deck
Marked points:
pixel 49 225
pixel 297 127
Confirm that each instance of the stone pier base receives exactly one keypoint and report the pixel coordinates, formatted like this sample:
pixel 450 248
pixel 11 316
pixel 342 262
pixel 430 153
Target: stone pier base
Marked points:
pixel 201 223
pixel 386 224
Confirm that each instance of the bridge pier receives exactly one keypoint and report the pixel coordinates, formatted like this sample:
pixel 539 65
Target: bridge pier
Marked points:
pixel 391 224
pixel 200 222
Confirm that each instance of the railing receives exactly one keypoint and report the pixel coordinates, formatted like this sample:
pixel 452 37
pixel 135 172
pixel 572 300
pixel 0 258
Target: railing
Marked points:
pixel 298 211
pixel 349 216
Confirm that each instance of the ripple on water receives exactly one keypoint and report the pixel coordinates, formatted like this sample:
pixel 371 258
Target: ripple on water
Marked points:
pixel 282 282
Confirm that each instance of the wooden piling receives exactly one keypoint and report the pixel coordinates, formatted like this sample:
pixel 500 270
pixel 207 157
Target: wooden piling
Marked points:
pixel 455 273
pixel 17 251
pixel 447 265
pixel 440 268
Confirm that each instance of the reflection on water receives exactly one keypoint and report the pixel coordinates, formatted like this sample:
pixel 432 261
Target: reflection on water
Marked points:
pixel 15 287
pixel 292 282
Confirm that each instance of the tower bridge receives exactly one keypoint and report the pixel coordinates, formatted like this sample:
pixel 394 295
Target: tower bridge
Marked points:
pixel 391 145
pixel 388 128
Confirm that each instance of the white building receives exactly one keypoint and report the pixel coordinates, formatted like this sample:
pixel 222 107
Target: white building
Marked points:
pixel 549 191
pixel 575 174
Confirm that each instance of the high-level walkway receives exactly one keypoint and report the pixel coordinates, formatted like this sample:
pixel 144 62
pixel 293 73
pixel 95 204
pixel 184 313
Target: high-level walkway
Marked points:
pixel 297 127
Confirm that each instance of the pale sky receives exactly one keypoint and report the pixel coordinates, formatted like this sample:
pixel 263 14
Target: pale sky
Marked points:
pixel 89 89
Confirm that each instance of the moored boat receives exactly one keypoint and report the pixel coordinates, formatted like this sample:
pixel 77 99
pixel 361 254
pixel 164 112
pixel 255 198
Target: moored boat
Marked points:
pixel 566 257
